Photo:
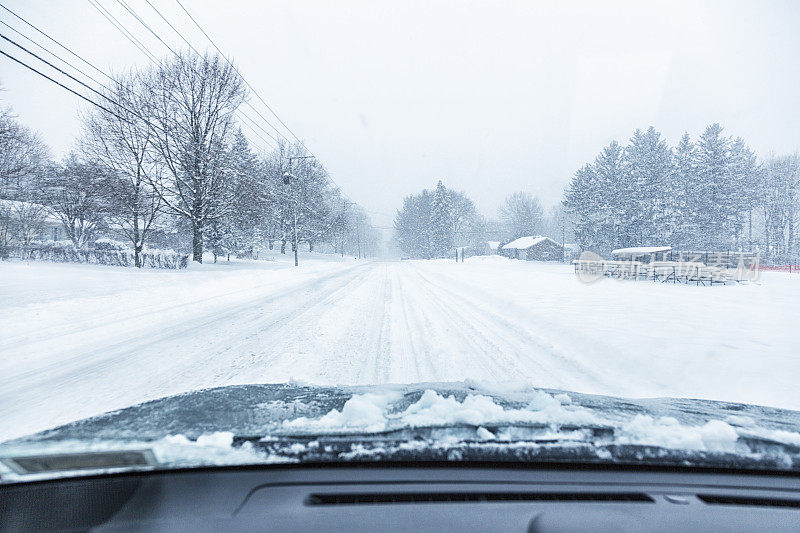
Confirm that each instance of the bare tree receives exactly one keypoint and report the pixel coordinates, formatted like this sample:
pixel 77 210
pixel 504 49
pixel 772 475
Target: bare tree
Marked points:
pixel 464 218
pixel 781 202
pixel 120 141
pixel 75 194
pixel 29 218
pixel 191 103
pixel 23 156
pixel 21 223
pixel 522 214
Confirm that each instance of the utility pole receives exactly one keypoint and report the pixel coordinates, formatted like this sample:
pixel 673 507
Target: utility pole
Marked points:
pixel 287 180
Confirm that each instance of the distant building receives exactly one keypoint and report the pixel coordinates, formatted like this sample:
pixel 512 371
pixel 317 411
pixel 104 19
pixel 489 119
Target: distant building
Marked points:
pixel 533 248
pixel 644 254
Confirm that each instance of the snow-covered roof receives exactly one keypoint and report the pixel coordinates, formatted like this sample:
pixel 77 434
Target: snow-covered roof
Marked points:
pixel 493 244
pixel 641 250
pixel 524 243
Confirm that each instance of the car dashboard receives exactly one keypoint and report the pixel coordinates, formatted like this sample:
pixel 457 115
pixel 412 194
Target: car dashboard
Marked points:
pixel 403 497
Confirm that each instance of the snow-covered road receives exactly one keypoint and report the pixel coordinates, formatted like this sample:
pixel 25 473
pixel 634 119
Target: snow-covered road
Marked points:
pixel 81 340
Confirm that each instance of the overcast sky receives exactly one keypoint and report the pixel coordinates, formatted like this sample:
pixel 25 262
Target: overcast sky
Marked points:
pixel 491 97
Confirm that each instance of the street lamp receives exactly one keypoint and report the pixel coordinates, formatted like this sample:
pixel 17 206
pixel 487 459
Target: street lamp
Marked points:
pixel 287 180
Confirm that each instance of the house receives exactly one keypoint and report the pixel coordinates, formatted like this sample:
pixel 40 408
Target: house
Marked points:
pixel 533 248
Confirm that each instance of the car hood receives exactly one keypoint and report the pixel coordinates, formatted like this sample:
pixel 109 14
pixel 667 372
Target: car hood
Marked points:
pixel 470 421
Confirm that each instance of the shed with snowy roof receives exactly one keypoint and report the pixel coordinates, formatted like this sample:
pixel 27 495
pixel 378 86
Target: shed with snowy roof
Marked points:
pixel 645 254
pixel 533 248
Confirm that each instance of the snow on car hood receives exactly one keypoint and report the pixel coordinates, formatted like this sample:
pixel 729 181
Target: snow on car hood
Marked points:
pixel 430 421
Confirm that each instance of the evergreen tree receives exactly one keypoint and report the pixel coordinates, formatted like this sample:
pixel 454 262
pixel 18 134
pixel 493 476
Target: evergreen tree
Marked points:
pixel 682 217
pixel 646 196
pixel 581 201
pixel 431 223
pixel 441 226
pixel 716 205
pixel 612 199
pixel 746 184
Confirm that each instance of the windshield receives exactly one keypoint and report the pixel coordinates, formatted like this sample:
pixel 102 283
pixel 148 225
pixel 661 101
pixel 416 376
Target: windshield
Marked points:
pixel 321 231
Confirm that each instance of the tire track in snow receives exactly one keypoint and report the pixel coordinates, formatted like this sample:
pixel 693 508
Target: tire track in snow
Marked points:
pixel 129 335
pixel 284 323
pixel 377 349
pixel 298 345
pixel 405 337
pixel 445 337
pixel 79 379
pixel 510 338
pixel 83 327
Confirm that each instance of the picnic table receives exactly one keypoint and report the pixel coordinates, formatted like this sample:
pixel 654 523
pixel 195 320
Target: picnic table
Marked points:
pixel 683 271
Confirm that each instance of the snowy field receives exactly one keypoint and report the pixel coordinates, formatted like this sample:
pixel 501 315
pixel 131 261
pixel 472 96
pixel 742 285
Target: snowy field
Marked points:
pixel 79 340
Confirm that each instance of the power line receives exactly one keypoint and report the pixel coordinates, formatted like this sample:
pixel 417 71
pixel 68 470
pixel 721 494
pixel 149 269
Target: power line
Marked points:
pixel 60 84
pixel 121 28
pixel 241 113
pixel 105 97
pixel 267 146
pixel 141 21
pixel 173 27
pixel 254 124
pixel 240 75
pixel 128 35
pixel 56 42
pixel 142 48
pixel 73 78
pixel 67 74
pixel 248 104
pixel 52 54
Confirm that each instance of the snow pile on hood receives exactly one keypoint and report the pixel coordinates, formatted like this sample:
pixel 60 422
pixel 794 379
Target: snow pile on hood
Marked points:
pixel 213 449
pixel 667 432
pixel 210 448
pixel 364 412
pixel 373 412
pixel 369 413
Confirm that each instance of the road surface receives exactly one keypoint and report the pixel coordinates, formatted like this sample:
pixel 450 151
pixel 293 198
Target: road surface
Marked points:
pixel 347 323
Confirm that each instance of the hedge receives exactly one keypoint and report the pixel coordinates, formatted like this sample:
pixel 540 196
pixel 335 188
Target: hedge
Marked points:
pixel 60 253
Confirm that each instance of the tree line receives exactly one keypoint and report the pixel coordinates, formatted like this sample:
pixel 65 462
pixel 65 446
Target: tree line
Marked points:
pixel 433 223
pixel 708 194
pixel 166 151
pixel 711 193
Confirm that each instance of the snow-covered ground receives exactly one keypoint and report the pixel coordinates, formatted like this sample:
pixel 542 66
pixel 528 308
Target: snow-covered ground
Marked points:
pixel 79 340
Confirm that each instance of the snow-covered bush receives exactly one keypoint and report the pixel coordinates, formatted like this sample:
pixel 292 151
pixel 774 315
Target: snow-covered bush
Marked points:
pixel 110 244
pixel 172 260
pixel 105 254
